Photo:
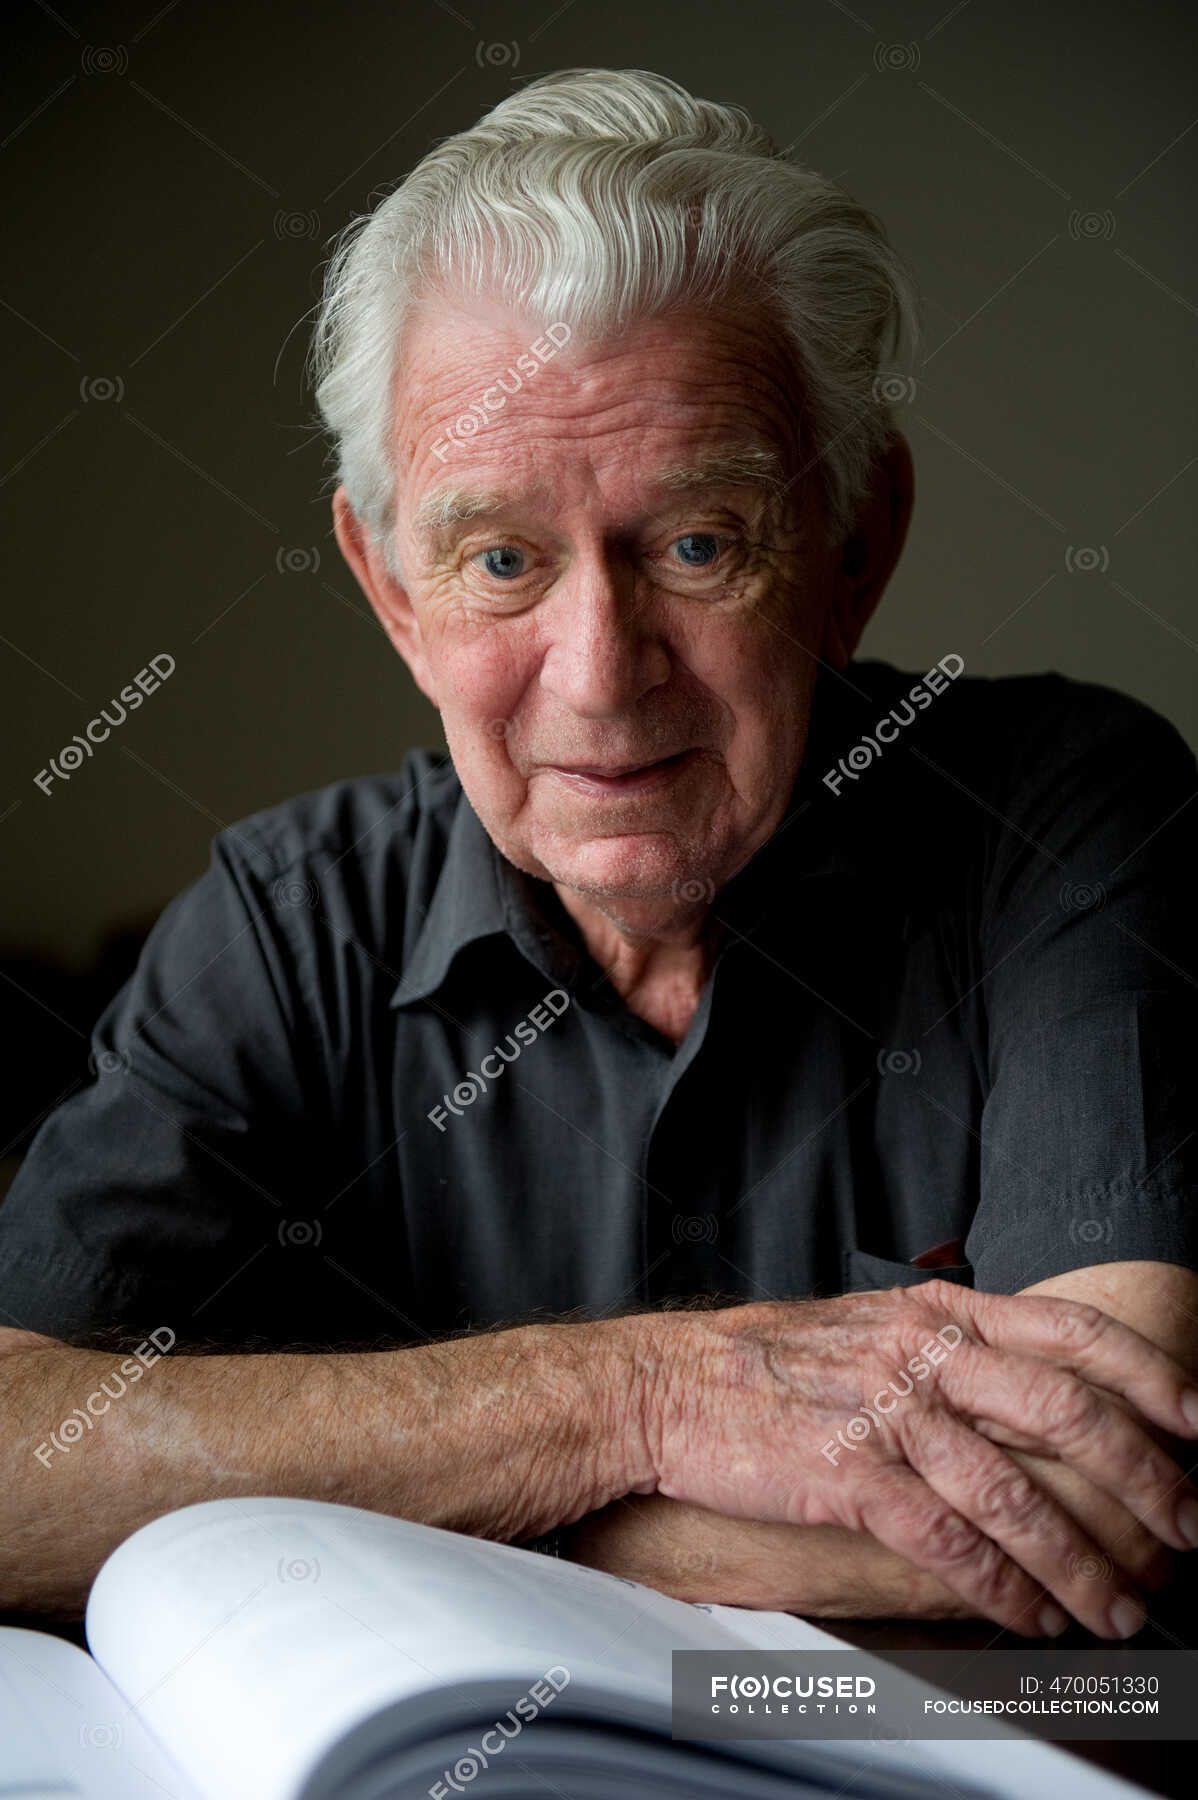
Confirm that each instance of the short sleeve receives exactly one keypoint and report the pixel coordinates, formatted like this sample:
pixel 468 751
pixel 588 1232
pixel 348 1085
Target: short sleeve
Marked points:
pixel 1088 1145
pixel 152 1197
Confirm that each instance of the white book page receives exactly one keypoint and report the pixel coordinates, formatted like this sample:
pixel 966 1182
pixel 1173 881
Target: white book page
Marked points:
pixel 65 1730
pixel 253 1634
pixel 1011 1764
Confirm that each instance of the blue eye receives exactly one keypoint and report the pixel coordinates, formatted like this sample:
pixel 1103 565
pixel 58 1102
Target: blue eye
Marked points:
pixel 708 548
pixel 499 561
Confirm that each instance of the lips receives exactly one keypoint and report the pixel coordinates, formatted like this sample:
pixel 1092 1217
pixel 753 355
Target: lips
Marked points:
pixel 617 769
pixel 622 778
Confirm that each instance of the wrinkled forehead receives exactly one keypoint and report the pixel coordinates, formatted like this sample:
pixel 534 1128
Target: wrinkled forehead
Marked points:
pixel 487 399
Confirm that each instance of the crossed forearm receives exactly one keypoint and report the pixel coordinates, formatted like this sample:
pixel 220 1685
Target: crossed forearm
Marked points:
pixel 821 1571
pixel 501 1435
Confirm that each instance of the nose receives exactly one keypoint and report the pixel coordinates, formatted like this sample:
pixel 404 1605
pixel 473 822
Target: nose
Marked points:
pixel 606 649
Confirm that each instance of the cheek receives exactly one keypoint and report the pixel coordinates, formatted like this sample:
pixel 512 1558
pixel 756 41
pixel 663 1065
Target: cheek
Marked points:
pixel 758 669
pixel 481 673
pixel 762 677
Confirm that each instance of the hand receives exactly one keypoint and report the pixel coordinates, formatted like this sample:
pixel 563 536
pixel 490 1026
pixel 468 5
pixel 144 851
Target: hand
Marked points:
pixel 887 1412
pixel 826 1571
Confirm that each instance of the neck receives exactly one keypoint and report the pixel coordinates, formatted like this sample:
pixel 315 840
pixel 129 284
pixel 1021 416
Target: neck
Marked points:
pixel 658 968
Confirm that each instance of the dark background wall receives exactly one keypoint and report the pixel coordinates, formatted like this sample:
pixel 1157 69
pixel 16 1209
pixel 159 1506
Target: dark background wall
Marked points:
pixel 173 178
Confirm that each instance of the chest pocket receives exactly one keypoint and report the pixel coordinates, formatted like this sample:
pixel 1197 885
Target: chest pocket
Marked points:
pixel 863 1272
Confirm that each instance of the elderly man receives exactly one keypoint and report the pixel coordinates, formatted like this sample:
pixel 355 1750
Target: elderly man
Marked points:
pixel 734 1112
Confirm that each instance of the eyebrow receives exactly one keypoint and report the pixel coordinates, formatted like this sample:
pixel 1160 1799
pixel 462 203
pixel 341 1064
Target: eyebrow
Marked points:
pixel 724 465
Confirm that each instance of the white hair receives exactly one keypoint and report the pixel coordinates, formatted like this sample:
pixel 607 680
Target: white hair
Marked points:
pixel 600 197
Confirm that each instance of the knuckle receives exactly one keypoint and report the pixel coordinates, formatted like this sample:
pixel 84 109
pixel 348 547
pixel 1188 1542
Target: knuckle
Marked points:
pixel 937 1293
pixel 949 1538
pixel 1078 1325
pixel 1010 1497
pixel 1068 1408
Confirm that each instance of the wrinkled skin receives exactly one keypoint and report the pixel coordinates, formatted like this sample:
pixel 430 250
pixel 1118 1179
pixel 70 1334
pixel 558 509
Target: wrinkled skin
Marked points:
pixel 751 1401
pixel 603 620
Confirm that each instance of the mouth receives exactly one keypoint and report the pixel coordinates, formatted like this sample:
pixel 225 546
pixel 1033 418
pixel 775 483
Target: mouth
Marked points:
pixel 624 779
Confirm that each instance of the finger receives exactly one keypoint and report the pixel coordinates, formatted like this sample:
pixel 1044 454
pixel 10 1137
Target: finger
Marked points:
pixel 1065 1416
pixel 990 1489
pixel 910 1518
pixel 1137 1550
pixel 1086 1340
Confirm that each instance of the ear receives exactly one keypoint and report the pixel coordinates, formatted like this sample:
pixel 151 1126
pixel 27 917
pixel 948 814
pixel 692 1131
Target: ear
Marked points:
pixel 385 592
pixel 868 556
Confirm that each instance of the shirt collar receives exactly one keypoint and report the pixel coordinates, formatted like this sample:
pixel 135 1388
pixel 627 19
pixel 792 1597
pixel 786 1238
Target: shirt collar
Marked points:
pixel 479 893
pixel 469 901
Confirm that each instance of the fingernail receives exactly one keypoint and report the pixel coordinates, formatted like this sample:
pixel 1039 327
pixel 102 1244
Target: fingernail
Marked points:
pixel 1187 1520
pixel 1052 1621
pixel 1126 1617
pixel 1189 1406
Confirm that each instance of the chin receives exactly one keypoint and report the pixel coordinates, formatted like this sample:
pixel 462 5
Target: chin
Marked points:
pixel 647 867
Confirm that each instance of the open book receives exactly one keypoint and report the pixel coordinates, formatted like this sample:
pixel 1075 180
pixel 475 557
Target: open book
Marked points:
pixel 273 1649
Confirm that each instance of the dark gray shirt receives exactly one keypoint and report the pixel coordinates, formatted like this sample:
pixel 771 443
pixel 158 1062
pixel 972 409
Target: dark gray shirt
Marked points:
pixel 367 1084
